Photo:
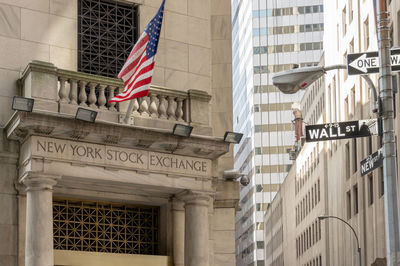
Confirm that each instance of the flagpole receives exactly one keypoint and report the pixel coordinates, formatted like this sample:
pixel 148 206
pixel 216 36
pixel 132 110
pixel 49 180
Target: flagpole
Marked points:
pixel 128 112
pixel 137 62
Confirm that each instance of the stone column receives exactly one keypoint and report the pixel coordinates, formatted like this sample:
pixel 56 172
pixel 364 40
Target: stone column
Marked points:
pixel 39 219
pixel 196 229
pixel 178 232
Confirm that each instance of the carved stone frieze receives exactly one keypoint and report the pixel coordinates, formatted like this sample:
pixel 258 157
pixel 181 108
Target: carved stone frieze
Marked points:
pixel 79 134
pixel 43 130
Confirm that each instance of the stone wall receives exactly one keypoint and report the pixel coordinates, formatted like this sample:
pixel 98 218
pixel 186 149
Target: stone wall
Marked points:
pixel 194 53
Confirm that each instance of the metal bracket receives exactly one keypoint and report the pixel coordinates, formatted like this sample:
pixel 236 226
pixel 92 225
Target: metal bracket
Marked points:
pixel 122 117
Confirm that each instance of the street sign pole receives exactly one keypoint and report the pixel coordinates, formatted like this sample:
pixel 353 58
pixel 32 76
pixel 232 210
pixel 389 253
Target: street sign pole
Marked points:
pixel 389 149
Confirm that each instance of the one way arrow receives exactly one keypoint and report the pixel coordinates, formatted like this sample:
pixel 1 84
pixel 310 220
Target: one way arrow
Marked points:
pixel 368 62
pixel 358 63
pixel 363 63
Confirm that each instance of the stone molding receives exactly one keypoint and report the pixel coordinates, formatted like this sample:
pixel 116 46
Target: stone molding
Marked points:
pixel 198 198
pixel 39 181
pixel 177 204
pixel 8 158
pixel 23 125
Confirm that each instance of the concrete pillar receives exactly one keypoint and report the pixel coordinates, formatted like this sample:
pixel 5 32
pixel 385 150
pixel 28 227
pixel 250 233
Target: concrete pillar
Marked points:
pixel 39 219
pixel 196 229
pixel 178 232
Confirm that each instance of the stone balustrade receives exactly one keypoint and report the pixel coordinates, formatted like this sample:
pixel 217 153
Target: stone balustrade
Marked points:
pixel 64 91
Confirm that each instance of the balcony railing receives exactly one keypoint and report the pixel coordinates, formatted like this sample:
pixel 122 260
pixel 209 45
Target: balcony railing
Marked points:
pixel 64 91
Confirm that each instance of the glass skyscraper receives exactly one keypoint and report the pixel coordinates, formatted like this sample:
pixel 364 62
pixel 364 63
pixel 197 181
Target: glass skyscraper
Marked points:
pixel 268 36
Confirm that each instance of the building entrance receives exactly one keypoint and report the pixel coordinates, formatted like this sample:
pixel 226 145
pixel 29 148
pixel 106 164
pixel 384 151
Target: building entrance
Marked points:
pixel 100 233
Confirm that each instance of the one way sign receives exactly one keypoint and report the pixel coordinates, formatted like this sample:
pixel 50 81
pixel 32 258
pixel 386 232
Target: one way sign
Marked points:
pixel 365 63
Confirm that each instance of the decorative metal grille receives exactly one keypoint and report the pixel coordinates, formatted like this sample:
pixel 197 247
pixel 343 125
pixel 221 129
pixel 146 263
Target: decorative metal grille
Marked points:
pixel 107 31
pixel 105 227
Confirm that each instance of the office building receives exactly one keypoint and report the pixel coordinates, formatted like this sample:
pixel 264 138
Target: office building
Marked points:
pixel 268 37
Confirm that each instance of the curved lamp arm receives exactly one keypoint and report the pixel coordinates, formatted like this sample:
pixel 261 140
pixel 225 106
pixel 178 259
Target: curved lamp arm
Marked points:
pixel 374 103
pixel 322 217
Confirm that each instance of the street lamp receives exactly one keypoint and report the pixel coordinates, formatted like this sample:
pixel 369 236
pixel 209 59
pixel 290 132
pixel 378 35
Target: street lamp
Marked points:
pixel 323 217
pixel 291 81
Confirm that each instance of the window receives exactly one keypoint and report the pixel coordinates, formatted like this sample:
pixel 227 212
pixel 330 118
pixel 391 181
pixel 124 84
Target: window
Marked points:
pixel 312 197
pixel 334 99
pixel 107 31
pixel 259 226
pixel 355 189
pixel 369 145
pixel 337 36
pixel 105 227
pixel 259 188
pixel 353 102
pixel 348 203
pixel 350 5
pixel 319 191
pixel 355 162
pixel 261 206
pixel 381 182
pixel 346 108
pixel 258 169
pixel 370 189
pixel 315 191
pixel 313 234
pixel 306 204
pixel 319 229
pixel 260 244
pixel 366 34
pixel 344 63
pixel 351 46
pixel 344 25
pixel 347 159
pixel 257 150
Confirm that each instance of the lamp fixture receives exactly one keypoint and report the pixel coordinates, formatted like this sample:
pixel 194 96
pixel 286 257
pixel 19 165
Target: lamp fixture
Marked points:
pixel 232 137
pixel 85 115
pixel 323 217
pixel 182 130
pixel 23 104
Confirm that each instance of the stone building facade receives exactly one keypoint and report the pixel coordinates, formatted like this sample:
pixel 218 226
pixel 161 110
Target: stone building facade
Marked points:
pixel 109 193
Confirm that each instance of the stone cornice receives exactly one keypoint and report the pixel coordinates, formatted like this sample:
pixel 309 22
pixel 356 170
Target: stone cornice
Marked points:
pixel 199 95
pixel 22 125
pixel 8 158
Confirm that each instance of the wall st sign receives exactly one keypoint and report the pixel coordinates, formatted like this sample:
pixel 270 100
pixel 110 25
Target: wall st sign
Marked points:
pixel 342 130
pixel 118 157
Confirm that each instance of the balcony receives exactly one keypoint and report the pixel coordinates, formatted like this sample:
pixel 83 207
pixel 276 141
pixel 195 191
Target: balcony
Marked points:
pixel 58 93
pixel 63 91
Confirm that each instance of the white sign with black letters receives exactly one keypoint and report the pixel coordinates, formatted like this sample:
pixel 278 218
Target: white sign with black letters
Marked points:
pixel 365 63
pixel 342 130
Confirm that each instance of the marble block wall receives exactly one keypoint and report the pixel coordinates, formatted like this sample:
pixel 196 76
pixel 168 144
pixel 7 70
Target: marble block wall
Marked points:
pixel 194 53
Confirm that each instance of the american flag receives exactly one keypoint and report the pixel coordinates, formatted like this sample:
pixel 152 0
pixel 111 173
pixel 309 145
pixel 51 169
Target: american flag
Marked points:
pixel 137 71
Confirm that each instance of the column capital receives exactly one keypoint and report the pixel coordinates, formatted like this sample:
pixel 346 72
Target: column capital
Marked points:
pixel 39 181
pixel 191 197
pixel 177 204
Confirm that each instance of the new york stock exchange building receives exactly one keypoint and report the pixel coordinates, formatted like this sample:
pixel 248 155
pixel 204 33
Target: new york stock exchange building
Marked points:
pixel 81 187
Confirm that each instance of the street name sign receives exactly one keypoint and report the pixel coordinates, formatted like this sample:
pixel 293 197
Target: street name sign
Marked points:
pixel 342 130
pixel 368 62
pixel 372 162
